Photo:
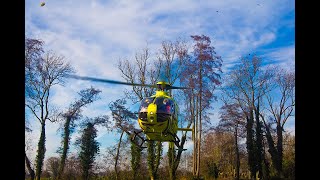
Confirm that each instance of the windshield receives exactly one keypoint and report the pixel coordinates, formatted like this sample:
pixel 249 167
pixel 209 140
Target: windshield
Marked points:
pixel 164 105
pixel 162 87
pixel 144 104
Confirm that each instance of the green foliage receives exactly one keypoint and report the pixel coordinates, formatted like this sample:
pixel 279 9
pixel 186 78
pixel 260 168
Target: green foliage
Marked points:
pixel 41 152
pixel 154 157
pixel 258 142
pixel 289 157
pixel 89 148
pixel 213 170
pixel 198 178
pixel 159 150
pixel 251 148
pixel 151 158
pixel 289 169
pixel 135 159
pixel 171 158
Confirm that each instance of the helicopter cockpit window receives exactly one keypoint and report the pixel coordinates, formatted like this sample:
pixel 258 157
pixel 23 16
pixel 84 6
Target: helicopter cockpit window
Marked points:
pixel 144 104
pixel 162 87
pixel 164 105
pixel 159 87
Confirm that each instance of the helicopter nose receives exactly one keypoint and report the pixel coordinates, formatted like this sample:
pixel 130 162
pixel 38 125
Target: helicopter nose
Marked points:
pixel 152 109
pixel 151 117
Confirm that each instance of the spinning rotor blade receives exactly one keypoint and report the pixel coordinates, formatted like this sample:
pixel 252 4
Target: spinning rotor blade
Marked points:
pixel 107 81
pixel 174 87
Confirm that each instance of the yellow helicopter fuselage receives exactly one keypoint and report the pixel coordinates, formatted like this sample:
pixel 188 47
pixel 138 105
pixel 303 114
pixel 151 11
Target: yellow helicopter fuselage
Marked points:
pixel 158 117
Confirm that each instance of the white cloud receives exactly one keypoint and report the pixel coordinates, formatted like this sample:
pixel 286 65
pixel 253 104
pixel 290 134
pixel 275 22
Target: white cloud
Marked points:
pixel 284 56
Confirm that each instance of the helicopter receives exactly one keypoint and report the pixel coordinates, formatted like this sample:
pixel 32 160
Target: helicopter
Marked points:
pixel 157 114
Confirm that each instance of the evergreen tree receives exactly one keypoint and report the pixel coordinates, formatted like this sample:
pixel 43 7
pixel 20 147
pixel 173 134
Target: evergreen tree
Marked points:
pixel 135 159
pixel 89 148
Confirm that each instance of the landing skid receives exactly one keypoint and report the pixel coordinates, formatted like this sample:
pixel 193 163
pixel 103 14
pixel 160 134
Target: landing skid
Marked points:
pixel 135 135
pixel 176 141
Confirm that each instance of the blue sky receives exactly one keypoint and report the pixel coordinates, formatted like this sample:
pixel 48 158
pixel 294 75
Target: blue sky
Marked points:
pixel 93 35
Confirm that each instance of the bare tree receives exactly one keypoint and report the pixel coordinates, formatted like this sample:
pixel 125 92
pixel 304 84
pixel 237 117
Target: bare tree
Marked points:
pixel 232 120
pixel 289 155
pixel 280 111
pixel 174 56
pixel 141 72
pixel 72 167
pixel 52 165
pixel 246 86
pixel 203 74
pixel 33 52
pixel 117 159
pixel 42 71
pixel 218 153
pixel 124 124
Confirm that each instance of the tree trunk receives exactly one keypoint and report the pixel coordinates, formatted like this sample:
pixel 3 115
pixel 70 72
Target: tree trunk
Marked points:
pixel 272 149
pixel 171 156
pixel 85 175
pixel 176 158
pixel 117 156
pixel 31 171
pixel 280 150
pixel 157 158
pixel 135 159
pixel 154 158
pixel 266 170
pixel 259 153
pixel 65 147
pixel 196 144
pixel 250 145
pixel 41 152
pixel 237 154
pixel 192 110
pixel 200 118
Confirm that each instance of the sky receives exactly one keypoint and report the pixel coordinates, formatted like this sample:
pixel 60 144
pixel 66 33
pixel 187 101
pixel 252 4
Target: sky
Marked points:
pixel 94 34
